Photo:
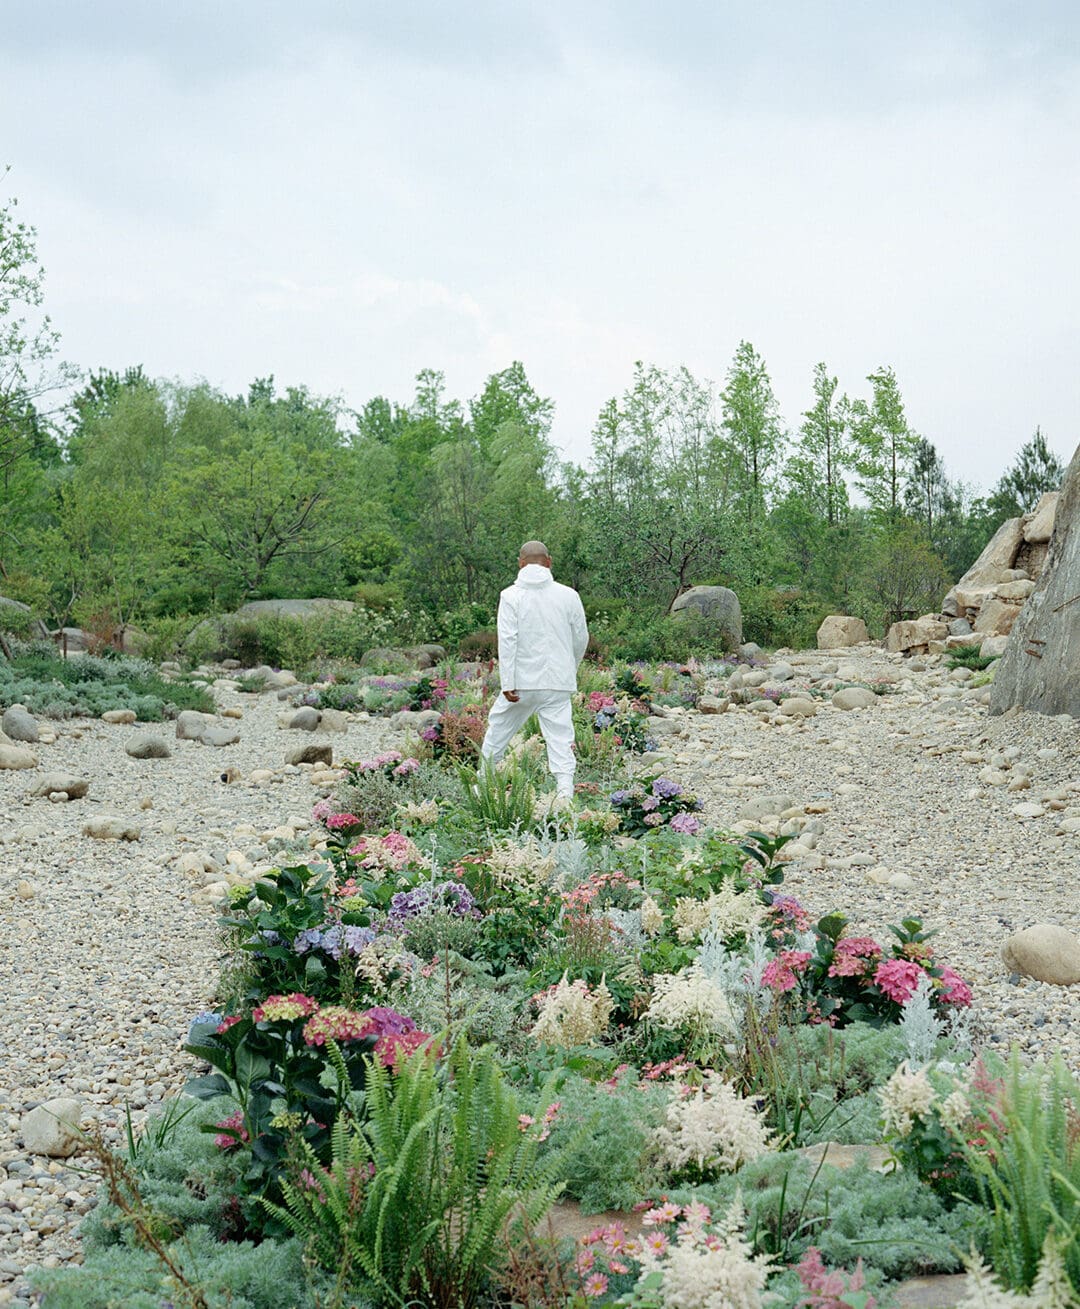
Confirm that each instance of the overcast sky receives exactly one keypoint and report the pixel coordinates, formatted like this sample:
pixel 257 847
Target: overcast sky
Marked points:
pixel 343 194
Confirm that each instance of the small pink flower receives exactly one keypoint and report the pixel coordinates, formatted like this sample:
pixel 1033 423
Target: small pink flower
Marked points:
pixel 595 1285
pixel 954 990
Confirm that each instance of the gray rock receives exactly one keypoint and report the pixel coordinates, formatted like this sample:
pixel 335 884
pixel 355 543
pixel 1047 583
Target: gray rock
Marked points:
pixel 111 829
pixel 717 608
pixel 280 680
pixel 713 704
pixel 854 697
pixel 780 672
pixel 220 735
pixel 1038 669
pixel 190 725
pixel 959 627
pixel 305 719
pixel 798 707
pixel 123 716
pixel 1046 952
pixel 311 754
pixel 20 725
pixel 147 746
pixel 750 650
pixel 762 805
pixel 755 677
pixel 318 607
pixel 414 720
pixel 16 756
pixel 62 784
pixel 52 1128
pixel 840 630
pixel 333 720
pixel 427 655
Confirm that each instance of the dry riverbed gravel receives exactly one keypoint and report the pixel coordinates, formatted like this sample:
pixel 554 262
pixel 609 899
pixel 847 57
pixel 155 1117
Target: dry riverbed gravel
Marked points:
pixel 919 804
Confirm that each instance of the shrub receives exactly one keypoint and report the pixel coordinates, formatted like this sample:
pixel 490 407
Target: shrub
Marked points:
pixel 480 645
pixel 88 686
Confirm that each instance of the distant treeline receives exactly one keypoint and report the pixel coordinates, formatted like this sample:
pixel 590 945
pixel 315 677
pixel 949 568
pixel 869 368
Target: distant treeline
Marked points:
pixel 144 501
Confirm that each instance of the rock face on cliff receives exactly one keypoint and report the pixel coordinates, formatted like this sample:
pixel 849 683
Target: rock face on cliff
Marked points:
pixel 1040 669
pixel 990 593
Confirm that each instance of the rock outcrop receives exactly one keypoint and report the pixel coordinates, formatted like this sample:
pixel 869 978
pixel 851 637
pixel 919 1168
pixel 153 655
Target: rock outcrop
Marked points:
pixel 717 607
pixel 1040 669
pixel 1005 572
pixel 841 630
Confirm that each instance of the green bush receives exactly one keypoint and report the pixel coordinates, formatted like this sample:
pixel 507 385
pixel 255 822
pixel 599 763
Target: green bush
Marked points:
pixel 283 641
pixel 781 616
pixel 968 656
pixel 87 686
pixel 480 645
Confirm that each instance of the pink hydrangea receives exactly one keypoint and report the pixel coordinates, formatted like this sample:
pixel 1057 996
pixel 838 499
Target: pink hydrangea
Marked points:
pixel 954 990
pixel 854 956
pixel 284 1008
pixel 781 973
pixel 337 822
pixel 336 1023
pixel 898 979
pixel 391 1050
pixel 237 1135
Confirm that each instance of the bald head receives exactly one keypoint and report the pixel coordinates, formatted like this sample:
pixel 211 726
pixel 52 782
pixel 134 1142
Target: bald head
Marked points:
pixel 534 552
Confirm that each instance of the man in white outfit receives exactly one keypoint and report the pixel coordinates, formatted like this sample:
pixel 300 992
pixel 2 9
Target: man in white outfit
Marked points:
pixel 542 639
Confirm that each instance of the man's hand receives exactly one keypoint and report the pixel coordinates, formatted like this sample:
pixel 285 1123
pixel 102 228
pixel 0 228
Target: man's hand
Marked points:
pixel 512 696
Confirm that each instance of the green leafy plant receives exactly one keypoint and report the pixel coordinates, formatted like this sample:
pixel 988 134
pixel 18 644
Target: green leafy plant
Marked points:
pixel 418 1196
pixel 500 799
pixel 1026 1164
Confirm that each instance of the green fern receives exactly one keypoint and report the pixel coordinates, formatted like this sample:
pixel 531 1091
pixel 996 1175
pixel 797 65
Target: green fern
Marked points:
pixel 419 1198
pixel 1028 1172
pixel 501 799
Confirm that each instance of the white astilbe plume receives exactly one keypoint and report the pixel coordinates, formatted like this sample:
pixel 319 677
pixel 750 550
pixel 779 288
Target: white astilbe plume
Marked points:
pixel 907 1095
pixel 688 998
pixel 572 1014
pixel 520 863
pixel 652 917
pixel 725 912
pixel 717 1272
pixel 712 1128
pixel 1052 1288
pixel 982 1292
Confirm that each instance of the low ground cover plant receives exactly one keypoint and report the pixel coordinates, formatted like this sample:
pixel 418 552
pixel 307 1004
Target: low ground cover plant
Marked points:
pixel 89 685
pixel 474 999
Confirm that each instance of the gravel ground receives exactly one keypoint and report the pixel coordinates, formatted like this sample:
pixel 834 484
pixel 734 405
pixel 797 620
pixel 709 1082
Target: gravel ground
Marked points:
pixel 109 948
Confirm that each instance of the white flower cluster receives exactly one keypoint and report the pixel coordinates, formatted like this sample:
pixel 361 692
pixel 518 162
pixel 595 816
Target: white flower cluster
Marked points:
pixel 380 962
pixel 714 1271
pixel 711 1127
pixel 520 863
pixel 425 813
pixel 725 912
pixel 572 1014
pixel 689 998
pixel 652 917
pixel 907 1095
pixel 1050 1290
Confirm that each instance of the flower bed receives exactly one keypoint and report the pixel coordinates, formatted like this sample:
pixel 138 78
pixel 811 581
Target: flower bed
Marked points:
pixel 479 1001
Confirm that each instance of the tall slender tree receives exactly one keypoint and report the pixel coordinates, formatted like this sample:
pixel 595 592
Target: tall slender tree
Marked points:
pixel 752 426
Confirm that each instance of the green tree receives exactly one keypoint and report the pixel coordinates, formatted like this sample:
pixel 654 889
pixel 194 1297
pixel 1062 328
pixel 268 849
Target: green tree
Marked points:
pixel 928 494
pixel 1035 470
pixel 822 456
pixel 752 426
pixel 884 443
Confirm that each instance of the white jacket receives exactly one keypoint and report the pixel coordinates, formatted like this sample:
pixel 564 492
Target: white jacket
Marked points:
pixel 542 633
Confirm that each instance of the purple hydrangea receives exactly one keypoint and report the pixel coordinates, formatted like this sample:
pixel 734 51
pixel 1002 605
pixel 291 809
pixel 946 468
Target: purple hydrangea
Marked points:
pixel 665 789
pixel 384 1021
pixel 685 823
pixel 454 896
pixel 650 803
pixel 620 797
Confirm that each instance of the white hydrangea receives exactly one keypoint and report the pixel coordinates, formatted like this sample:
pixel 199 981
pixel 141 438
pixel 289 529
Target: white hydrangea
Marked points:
pixel 719 1271
pixel 572 1014
pixel 690 998
pixel 725 912
pixel 907 1095
pixel 711 1127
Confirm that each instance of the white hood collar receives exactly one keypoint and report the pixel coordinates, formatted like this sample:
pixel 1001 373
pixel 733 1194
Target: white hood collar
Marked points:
pixel 534 575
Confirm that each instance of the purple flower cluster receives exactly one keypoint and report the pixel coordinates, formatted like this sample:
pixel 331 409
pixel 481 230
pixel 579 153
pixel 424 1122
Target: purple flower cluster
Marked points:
pixel 665 789
pixel 334 939
pixel 453 896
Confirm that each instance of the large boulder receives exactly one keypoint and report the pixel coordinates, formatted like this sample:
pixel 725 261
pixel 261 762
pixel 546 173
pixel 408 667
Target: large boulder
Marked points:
pixel 996 617
pixel 66 784
pixel 20 725
pixel 52 1128
pixel 1039 669
pixel 317 608
pixel 915 634
pixel 986 572
pixel 1047 952
pixel 840 630
pixel 718 607
pixel 16 756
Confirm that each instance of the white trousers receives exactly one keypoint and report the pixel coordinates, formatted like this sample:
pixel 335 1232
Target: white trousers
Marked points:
pixel 552 708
